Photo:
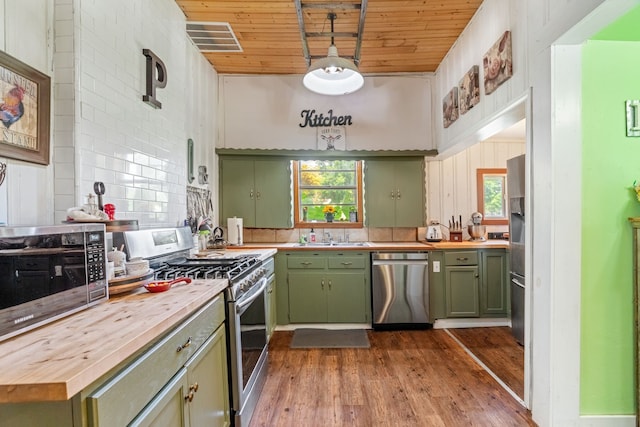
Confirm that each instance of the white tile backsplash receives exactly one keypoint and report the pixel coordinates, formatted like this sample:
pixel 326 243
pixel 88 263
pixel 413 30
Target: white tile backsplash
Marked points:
pixel 137 151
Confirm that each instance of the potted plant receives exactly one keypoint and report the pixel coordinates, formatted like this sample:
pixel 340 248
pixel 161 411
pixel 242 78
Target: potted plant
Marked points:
pixel 329 212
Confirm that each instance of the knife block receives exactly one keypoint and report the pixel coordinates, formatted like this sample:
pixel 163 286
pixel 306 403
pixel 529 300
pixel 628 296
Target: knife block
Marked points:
pixel 455 236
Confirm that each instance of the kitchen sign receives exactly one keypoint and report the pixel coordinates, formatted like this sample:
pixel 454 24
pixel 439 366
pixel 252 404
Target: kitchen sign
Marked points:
pixel 312 119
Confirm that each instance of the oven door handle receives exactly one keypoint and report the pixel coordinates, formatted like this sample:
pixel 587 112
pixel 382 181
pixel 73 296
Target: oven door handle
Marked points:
pixel 247 299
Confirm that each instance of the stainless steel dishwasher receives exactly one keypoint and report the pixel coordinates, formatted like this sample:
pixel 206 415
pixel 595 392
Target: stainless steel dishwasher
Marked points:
pixel 400 290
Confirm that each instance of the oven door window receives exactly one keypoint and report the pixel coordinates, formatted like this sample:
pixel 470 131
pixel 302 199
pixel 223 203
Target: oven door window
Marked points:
pixel 253 333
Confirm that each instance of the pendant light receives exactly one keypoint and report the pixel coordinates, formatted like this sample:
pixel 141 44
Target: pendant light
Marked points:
pixel 333 75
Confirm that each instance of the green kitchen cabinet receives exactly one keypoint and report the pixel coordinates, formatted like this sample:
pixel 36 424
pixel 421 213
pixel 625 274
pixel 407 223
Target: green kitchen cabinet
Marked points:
pixel 180 379
pixel 307 297
pixel 471 283
pixel 394 193
pixel 193 397
pixel 494 285
pixel 328 287
pixel 258 191
pixel 462 291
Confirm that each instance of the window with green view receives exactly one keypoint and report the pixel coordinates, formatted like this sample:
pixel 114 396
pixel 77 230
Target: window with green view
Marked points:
pixel 328 186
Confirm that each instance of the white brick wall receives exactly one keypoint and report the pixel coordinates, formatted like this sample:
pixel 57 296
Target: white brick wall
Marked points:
pixel 137 151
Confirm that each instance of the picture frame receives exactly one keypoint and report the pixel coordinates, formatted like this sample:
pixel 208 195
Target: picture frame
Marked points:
pixel 469 89
pixel 331 138
pixel 450 110
pixel 498 63
pixel 25 108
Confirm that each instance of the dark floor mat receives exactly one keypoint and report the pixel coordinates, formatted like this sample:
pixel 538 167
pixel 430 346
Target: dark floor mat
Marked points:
pixel 329 338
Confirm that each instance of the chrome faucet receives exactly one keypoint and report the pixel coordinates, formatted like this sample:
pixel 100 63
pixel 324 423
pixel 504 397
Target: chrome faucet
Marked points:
pixel 328 238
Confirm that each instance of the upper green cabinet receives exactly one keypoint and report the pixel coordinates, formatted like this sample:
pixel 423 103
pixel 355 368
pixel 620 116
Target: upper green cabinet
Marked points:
pixel 259 191
pixel 394 193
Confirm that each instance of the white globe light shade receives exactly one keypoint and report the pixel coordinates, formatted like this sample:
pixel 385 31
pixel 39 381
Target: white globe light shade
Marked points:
pixel 333 75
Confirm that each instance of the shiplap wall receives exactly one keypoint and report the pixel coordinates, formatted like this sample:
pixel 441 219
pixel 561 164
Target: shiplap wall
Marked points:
pixel 492 19
pixel 451 183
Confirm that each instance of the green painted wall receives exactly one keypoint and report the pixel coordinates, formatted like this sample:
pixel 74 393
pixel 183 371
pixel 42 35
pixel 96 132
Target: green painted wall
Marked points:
pixel 610 164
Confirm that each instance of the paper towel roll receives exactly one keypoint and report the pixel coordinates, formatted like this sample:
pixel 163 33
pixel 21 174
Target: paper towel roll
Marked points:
pixel 234 231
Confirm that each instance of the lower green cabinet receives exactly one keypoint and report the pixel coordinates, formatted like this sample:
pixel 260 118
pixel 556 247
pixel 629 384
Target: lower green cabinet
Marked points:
pixel 328 287
pixel 161 386
pixel 327 298
pixel 462 291
pixel 470 283
pixel 494 293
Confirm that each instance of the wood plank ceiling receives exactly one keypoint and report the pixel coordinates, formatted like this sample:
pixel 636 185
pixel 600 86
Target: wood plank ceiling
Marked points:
pixel 399 35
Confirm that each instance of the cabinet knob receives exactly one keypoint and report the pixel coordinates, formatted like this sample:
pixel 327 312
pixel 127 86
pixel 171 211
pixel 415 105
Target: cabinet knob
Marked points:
pixel 185 345
pixel 329 284
pixel 393 194
pixel 189 397
pixel 257 194
pixel 251 193
pixel 398 195
pixel 322 284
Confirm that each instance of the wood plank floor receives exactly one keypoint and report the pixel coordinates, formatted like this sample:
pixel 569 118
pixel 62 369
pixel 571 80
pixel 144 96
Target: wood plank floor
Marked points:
pixel 499 351
pixel 406 378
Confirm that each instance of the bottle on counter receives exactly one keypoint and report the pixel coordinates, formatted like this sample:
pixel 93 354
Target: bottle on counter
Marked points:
pixel 312 236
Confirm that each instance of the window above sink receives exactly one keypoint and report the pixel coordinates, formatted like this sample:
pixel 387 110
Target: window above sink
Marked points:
pixel 324 187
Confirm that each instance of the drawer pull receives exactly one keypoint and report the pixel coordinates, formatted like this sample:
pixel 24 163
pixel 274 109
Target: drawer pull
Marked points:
pixel 306 263
pixel 462 259
pixel 193 389
pixel 346 263
pixel 185 345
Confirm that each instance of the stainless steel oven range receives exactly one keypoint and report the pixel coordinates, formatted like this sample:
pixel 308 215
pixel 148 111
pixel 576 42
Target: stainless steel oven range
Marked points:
pixel 168 253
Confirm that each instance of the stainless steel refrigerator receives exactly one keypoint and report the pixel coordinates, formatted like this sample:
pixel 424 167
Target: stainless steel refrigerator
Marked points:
pixel 517 223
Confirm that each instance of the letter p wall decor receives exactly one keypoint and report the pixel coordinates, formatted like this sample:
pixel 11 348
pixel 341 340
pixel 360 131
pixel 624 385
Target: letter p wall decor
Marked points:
pixel 156 78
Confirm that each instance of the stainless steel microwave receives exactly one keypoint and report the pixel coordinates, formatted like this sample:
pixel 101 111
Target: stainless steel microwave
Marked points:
pixel 49 272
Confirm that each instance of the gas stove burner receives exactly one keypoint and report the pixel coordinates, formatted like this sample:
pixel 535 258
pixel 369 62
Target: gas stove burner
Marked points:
pixel 241 271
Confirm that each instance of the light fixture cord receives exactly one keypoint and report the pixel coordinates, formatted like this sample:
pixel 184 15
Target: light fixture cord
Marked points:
pixel 331 16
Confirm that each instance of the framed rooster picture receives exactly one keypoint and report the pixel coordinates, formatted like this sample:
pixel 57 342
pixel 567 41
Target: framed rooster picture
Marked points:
pixel 25 95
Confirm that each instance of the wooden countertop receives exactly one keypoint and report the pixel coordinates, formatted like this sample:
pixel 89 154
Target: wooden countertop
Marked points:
pixel 57 361
pixel 377 246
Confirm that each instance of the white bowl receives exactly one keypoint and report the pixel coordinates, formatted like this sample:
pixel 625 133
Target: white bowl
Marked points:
pixel 137 267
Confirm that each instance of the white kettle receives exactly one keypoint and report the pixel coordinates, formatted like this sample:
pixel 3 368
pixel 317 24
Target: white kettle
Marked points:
pixel 434 232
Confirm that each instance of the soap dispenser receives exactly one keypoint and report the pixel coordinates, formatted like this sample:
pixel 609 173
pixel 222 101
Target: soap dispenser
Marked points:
pixel 312 236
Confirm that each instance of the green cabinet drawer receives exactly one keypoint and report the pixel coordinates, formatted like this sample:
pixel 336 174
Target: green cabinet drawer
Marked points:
pixel 347 262
pixel 461 258
pixel 121 398
pixel 310 262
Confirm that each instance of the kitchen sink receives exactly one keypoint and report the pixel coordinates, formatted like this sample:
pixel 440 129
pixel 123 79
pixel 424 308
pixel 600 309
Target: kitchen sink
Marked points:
pixel 333 244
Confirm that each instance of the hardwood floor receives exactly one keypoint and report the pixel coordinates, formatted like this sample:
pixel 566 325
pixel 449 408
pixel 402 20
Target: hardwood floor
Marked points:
pixel 499 351
pixel 406 378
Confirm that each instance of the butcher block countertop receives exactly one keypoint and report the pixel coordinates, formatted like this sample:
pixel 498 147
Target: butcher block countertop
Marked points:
pixel 378 246
pixel 57 361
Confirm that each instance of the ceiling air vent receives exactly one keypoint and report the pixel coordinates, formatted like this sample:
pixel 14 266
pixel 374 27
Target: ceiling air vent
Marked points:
pixel 213 36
